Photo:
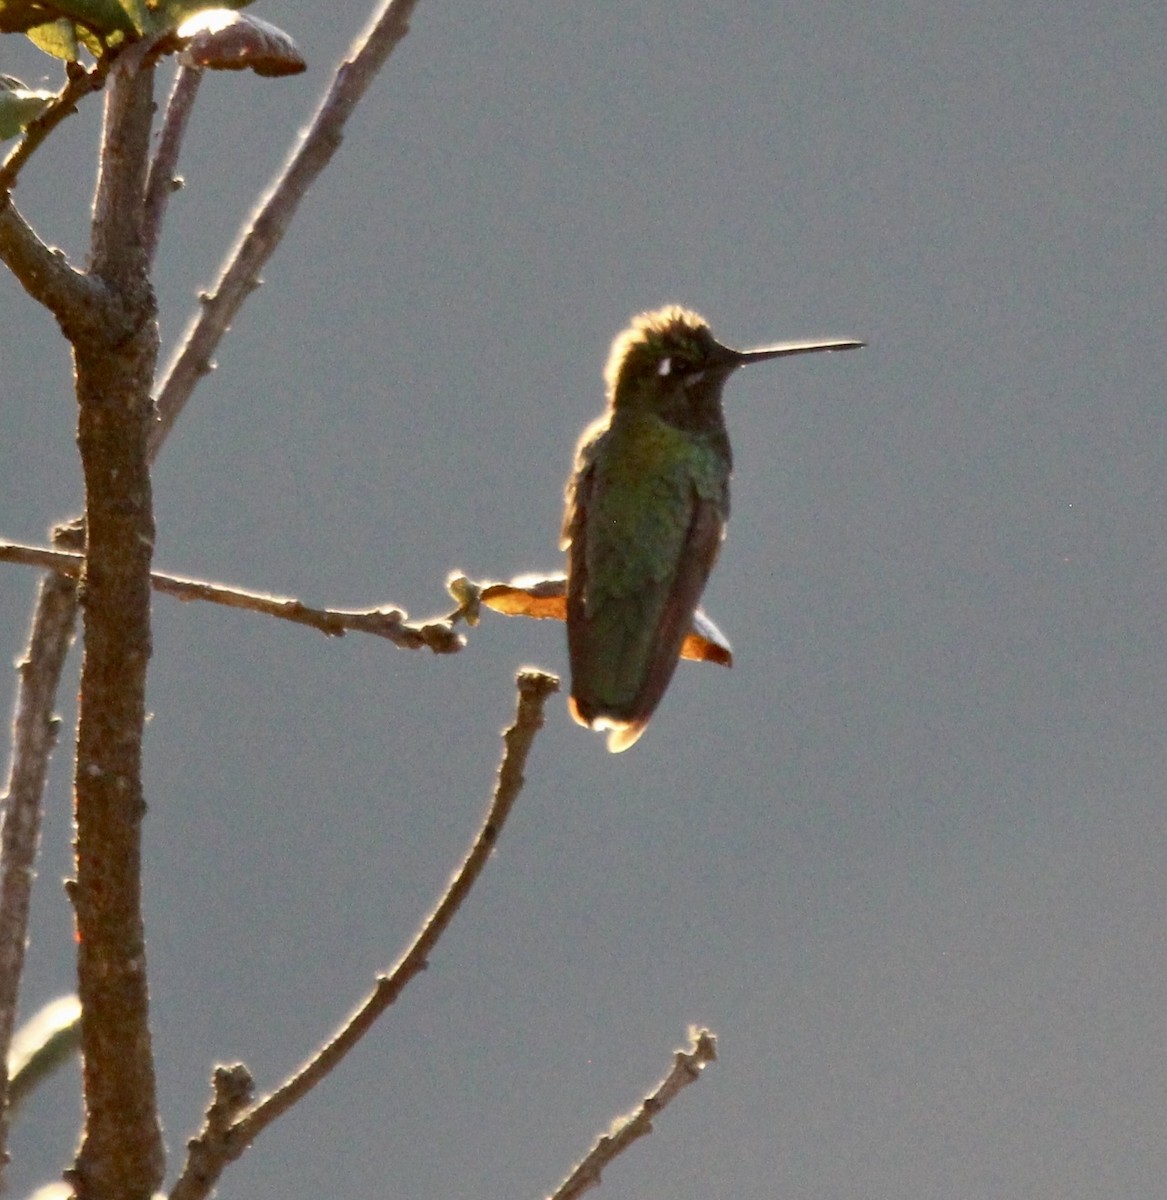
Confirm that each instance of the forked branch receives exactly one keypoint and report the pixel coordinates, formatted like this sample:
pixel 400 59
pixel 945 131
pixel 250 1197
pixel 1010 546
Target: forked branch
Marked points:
pixel 225 1136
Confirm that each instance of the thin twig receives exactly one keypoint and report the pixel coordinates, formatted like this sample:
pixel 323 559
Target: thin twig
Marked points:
pixel 388 622
pixel 687 1067
pixel 240 274
pixel 79 84
pixel 162 180
pixel 212 1149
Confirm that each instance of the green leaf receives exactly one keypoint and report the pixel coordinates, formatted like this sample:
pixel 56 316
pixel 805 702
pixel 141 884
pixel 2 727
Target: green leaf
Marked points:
pixel 19 105
pixel 102 16
pixel 139 14
pixel 58 38
pixel 92 42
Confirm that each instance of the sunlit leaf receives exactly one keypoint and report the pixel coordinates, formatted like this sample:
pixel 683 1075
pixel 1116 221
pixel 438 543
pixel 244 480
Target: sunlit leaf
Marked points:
pixel 19 105
pixel 92 43
pixel 169 14
pixel 58 38
pixel 224 40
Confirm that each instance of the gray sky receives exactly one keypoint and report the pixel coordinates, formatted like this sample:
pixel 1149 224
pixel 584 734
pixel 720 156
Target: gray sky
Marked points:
pixel 908 857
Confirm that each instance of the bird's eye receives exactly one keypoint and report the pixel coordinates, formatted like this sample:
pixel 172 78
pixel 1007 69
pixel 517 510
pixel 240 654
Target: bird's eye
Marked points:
pixel 665 368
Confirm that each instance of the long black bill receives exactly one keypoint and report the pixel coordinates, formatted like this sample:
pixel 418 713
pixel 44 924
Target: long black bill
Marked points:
pixel 741 357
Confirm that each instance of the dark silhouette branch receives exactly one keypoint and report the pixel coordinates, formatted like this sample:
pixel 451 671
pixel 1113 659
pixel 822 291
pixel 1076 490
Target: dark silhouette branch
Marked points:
pixel 389 622
pixel 687 1068
pixel 222 1141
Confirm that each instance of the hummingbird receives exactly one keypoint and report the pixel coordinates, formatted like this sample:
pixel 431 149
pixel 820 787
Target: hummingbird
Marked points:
pixel 647 507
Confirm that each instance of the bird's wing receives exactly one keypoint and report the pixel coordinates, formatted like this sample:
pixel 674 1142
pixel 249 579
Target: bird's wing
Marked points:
pixel 628 611
pixel 674 618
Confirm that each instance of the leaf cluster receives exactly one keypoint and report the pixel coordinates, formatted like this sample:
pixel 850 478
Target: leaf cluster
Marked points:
pixel 218 38
pixel 63 28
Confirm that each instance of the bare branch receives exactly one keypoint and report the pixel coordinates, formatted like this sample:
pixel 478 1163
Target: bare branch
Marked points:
pixel 240 275
pixel 213 1148
pixel 687 1067
pixel 162 180
pixel 35 730
pixel 389 623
